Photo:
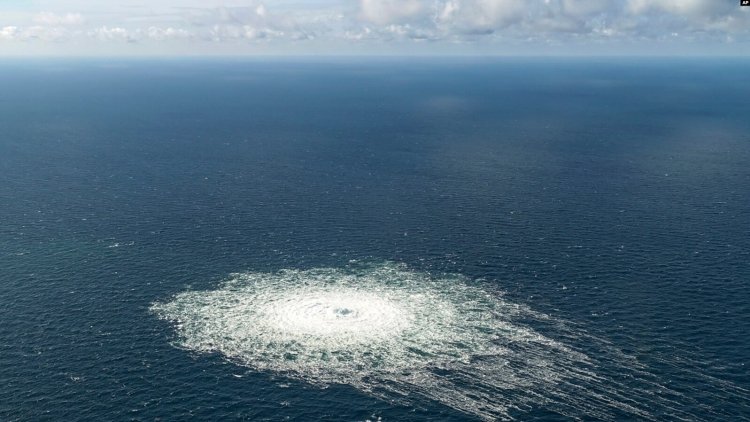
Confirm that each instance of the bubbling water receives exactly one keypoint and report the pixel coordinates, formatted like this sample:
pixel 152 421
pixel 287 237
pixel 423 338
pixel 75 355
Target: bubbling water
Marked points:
pixel 401 334
pixel 347 316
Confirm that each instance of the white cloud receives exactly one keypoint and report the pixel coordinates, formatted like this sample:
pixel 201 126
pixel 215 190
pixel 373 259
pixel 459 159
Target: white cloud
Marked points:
pixel 162 34
pixel 8 32
pixel 481 16
pixel 105 33
pixel 347 24
pixel 389 11
pixel 34 33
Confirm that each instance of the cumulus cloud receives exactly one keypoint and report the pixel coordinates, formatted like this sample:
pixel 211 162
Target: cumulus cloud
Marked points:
pixel 389 22
pixel 481 16
pixel 8 32
pixel 390 11
pixel 169 33
pixel 254 21
pixel 105 33
pixel 34 33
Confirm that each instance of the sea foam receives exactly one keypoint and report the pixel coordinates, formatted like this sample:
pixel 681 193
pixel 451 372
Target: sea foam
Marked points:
pixel 398 334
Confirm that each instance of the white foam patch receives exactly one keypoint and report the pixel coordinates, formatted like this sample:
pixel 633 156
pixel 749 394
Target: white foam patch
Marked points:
pixel 399 334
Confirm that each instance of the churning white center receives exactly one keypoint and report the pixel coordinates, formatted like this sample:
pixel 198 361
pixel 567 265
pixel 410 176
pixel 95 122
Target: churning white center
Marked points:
pixel 349 316
pixel 395 333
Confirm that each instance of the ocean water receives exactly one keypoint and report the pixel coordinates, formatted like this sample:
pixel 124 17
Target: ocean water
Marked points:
pixel 375 239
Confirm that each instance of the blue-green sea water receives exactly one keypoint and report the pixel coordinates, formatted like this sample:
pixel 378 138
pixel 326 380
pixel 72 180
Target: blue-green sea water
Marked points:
pixel 403 240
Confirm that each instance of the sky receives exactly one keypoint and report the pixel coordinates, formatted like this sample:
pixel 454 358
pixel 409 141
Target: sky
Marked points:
pixel 374 27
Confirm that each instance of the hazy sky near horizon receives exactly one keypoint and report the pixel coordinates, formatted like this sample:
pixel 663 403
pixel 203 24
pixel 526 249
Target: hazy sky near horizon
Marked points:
pixel 430 27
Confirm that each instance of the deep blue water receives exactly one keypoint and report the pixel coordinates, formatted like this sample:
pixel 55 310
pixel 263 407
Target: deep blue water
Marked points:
pixel 611 194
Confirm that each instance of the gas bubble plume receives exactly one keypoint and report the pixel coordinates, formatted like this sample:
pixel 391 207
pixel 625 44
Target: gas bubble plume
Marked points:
pixel 401 334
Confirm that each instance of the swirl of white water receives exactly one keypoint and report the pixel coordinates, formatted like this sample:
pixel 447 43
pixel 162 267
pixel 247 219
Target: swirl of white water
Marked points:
pixel 395 333
pixel 348 317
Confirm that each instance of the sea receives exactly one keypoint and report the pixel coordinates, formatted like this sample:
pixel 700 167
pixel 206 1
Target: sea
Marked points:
pixel 375 239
